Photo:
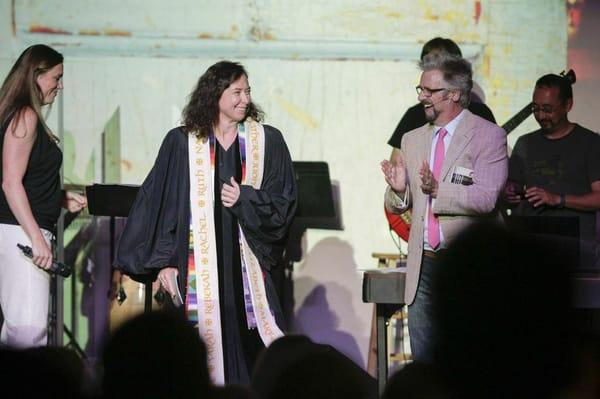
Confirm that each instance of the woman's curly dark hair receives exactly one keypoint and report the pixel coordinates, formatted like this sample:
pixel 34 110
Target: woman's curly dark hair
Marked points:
pixel 202 111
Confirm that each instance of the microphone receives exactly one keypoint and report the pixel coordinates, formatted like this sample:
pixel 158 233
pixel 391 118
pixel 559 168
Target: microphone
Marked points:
pixel 56 268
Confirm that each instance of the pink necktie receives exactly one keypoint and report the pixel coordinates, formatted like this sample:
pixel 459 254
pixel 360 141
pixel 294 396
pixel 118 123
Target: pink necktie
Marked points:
pixel 433 224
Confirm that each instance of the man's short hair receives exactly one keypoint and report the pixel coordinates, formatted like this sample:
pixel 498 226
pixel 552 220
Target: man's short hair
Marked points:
pixel 565 91
pixel 457 73
pixel 440 44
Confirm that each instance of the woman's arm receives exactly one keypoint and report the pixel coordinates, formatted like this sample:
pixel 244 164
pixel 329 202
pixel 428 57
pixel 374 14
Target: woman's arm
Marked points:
pixel 18 142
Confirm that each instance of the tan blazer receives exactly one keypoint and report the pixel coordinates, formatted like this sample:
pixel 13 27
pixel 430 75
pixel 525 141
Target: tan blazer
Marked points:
pixel 477 146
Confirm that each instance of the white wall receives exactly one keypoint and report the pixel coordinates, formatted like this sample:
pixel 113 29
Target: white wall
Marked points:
pixel 335 76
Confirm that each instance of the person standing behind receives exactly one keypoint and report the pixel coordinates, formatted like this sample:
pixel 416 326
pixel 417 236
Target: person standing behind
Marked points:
pixel 211 219
pixel 449 174
pixel 555 171
pixel 31 195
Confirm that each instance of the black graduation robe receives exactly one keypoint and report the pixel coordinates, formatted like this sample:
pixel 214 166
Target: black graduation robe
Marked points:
pixel 156 233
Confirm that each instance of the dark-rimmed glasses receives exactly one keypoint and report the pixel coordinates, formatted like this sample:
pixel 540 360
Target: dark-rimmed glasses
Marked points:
pixel 427 92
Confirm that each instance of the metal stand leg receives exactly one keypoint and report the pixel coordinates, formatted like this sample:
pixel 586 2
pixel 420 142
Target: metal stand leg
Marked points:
pixel 382 370
pixel 147 297
pixel 73 343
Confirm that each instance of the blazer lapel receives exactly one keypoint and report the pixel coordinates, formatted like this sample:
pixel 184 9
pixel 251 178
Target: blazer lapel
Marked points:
pixel 462 136
pixel 426 144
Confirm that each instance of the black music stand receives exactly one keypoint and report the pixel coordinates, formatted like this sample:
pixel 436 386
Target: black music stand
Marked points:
pixel 316 206
pixel 317 209
pixel 113 200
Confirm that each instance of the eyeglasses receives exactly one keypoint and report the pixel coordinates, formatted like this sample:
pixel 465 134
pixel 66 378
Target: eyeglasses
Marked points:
pixel 427 92
pixel 547 109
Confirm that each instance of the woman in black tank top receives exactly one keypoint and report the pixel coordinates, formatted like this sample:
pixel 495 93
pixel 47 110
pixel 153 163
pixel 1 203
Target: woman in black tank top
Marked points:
pixel 31 195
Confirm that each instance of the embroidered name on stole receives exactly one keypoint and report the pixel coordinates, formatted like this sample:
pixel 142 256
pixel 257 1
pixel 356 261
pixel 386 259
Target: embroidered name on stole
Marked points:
pixel 205 252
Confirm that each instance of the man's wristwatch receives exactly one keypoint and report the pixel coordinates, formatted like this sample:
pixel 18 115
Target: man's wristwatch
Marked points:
pixel 561 204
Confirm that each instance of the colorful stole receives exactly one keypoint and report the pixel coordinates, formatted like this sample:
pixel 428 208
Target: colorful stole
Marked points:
pixel 203 296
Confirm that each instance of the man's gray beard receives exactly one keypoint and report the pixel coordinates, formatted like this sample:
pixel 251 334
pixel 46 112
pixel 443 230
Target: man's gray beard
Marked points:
pixel 431 116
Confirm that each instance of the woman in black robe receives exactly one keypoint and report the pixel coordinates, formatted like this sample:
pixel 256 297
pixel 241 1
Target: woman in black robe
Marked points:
pixel 155 241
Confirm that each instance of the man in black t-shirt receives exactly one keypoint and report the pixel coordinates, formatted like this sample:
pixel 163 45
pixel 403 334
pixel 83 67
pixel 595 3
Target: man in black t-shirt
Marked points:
pixel 414 117
pixel 554 173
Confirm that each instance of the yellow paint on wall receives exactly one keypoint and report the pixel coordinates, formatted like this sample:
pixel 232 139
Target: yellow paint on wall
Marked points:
pixel 116 32
pixel 456 18
pixel 295 112
pixel 388 12
pixel 89 32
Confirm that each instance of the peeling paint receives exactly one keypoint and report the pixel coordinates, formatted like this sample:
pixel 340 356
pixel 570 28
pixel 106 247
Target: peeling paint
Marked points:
pixel 456 18
pixel 257 33
pixel 63 44
pixel 234 32
pixel 47 30
pixel 295 112
pixel 431 16
pixel 362 12
pixel 477 12
pixel 126 164
pixel 486 68
pixel 89 32
pixel 117 32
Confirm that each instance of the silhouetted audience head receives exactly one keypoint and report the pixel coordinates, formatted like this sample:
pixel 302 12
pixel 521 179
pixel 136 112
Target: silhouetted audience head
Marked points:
pixel 234 391
pixel 295 367
pixel 42 372
pixel 416 381
pixel 155 355
pixel 502 303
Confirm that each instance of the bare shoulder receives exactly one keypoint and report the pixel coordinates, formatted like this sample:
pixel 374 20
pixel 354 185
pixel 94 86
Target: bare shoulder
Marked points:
pixel 23 125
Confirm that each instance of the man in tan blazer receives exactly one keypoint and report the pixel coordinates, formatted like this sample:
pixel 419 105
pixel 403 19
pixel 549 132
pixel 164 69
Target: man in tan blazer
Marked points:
pixel 450 172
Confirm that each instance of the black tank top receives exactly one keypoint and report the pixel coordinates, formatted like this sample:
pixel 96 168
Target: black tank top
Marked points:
pixel 41 182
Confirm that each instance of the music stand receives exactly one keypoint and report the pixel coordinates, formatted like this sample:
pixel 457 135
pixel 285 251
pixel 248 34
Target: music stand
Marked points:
pixel 316 205
pixel 113 200
pixel 317 208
